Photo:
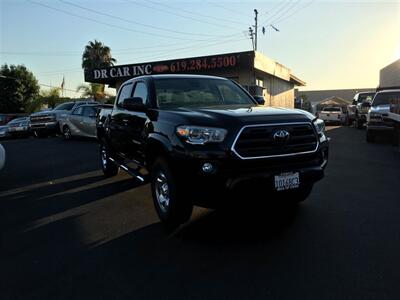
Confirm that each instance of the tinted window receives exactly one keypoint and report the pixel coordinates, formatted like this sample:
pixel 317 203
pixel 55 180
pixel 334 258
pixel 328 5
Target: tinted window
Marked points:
pixel 365 97
pixel 386 98
pixel 140 91
pixel 199 92
pixel 124 93
pixel 65 106
pixel 89 111
pixel 77 111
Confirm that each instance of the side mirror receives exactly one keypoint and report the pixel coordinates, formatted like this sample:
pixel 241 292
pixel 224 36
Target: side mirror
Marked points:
pixel 259 99
pixel 133 104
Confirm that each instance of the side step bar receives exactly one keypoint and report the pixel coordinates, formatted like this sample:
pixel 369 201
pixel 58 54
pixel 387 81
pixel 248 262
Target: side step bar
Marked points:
pixel 133 172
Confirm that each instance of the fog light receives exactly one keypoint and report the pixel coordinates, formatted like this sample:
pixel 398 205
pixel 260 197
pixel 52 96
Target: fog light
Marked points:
pixel 207 168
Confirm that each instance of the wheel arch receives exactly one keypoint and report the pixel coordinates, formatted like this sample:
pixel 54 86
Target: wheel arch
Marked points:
pixel 157 145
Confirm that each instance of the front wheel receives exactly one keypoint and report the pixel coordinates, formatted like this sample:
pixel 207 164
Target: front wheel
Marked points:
pixel 171 203
pixel 109 167
pixel 67 133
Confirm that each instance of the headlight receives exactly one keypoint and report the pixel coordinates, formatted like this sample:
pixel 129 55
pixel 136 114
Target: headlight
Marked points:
pixel 201 135
pixel 319 126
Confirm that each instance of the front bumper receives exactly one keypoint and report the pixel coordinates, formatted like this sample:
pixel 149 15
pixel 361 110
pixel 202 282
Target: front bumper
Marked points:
pixel 229 171
pixel 46 126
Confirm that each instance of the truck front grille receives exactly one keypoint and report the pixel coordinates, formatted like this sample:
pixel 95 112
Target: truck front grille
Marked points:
pixel 258 141
pixel 41 119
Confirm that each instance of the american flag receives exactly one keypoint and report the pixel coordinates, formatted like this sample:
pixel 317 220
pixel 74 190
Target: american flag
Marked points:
pixel 63 83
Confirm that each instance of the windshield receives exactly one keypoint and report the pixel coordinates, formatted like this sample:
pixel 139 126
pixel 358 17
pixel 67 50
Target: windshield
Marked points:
pixel 18 120
pixel 199 92
pixel 386 98
pixel 332 109
pixel 65 106
pixel 365 97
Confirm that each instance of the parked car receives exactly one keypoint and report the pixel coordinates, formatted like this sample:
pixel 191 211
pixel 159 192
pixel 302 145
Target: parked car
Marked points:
pixel 332 115
pixel 394 118
pixel 19 127
pixel 377 121
pixel 81 121
pixel 2 157
pixel 46 123
pixel 361 103
pixel 194 137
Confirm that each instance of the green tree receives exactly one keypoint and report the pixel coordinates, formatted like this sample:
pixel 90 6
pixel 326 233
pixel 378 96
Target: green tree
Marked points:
pixel 18 88
pixel 51 97
pixel 97 55
pixel 92 90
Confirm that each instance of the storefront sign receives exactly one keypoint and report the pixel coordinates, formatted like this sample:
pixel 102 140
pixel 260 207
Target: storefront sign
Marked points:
pixel 199 65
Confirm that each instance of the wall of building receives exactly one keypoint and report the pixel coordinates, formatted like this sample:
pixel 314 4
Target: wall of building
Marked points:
pixel 390 75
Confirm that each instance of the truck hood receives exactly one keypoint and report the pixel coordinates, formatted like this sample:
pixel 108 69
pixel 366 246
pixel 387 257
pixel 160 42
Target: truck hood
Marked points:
pixel 232 114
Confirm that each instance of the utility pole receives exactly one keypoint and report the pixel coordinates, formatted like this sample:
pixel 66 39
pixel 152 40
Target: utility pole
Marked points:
pixel 255 28
pixel 251 34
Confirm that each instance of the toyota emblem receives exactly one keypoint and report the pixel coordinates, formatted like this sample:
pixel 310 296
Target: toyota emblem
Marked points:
pixel 281 135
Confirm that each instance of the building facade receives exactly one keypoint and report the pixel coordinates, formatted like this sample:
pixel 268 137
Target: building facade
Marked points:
pixel 389 76
pixel 257 73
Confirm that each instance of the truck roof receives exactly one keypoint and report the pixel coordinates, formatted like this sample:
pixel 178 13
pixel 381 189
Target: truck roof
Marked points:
pixel 166 76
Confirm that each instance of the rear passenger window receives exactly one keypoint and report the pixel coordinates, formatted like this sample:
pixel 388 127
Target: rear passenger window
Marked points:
pixel 89 111
pixel 141 91
pixel 124 93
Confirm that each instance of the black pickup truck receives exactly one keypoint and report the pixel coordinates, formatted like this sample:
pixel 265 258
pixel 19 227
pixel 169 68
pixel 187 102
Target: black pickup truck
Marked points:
pixel 194 137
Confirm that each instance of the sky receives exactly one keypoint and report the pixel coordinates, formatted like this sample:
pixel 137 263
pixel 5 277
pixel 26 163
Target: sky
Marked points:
pixel 328 44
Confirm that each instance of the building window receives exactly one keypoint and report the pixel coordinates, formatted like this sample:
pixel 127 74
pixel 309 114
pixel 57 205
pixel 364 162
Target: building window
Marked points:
pixel 259 82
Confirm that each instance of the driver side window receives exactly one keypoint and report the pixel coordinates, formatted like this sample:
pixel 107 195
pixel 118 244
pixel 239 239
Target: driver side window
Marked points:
pixel 125 92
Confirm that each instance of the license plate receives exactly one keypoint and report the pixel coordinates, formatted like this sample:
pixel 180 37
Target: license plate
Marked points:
pixel 287 181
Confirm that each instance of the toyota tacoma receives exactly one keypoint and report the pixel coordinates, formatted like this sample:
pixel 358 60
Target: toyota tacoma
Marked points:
pixel 194 137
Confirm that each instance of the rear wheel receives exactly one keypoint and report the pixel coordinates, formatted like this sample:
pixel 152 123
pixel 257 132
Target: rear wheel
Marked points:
pixel 171 203
pixel 109 167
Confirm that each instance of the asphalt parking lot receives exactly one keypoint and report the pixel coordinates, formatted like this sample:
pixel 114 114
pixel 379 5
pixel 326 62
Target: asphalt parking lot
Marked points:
pixel 66 232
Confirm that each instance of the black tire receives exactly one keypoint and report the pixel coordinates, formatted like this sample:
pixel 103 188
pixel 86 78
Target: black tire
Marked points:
pixel 67 134
pixel 108 167
pixel 370 137
pixel 171 204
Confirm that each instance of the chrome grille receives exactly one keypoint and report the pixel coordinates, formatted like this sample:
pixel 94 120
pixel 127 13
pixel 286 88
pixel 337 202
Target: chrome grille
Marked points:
pixel 257 141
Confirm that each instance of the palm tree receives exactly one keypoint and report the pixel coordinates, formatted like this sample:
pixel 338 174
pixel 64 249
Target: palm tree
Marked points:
pixel 97 55
pixel 92 90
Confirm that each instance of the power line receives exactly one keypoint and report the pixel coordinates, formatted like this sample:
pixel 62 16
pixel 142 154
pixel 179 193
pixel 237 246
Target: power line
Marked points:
pixel 226 8
pixel 180 15
pixel 197 13
pixel 289 8
pixel 133 22
pixel 109 24
pixel 278 12
pixel 294 12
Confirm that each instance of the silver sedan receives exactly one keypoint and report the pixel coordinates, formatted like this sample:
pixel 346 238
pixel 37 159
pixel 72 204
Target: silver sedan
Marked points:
pixel 80 122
